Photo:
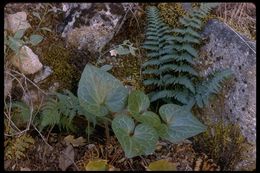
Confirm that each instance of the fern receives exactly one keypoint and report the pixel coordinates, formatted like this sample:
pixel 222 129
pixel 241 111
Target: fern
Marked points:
pixel 50 114
pixel 16 147
pixel 171 58
pixel 22 113
pixel 210 86
pixel 60 111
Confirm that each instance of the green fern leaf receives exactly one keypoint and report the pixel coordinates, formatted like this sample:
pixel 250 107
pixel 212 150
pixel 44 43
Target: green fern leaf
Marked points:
pixel 181 80
pixel 156 82
pixel 190 49
pixel 210 86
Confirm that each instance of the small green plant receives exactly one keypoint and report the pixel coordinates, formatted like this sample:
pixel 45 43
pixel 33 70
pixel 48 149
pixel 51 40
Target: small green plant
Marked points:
pixel 61 111
pixel 136 128
pixel 18 40
pixel 16 147
pixel 170 68
pixel 126 48
pixel 104 100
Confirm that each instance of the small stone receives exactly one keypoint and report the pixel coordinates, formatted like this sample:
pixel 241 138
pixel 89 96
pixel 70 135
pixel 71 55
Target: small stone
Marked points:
pixel 47 71
pixel 27 61
pixel 17 21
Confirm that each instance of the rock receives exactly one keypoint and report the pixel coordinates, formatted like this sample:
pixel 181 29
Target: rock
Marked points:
pixel 7 84
pixel 26 61
pixel 92 25
pixel 43 74
pixel 17 21
pixel 229 49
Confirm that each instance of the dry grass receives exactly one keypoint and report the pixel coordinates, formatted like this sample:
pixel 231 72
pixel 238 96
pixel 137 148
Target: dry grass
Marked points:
pixel 241 16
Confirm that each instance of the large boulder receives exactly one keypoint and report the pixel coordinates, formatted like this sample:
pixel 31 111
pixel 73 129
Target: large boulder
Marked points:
pixel 92 25
pixel 226 48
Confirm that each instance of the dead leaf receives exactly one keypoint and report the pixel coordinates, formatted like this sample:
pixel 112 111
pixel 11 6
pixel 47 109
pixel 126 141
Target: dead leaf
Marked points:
pixel 80 141
pixel 161 165
pixel 25 169
pixel 66 158
pixel 97 165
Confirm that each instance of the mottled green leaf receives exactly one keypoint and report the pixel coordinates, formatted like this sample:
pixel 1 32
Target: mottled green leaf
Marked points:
pixel 138 102
pixel 100 92
pixel 149 118
pixel 181 124
pixel 135 141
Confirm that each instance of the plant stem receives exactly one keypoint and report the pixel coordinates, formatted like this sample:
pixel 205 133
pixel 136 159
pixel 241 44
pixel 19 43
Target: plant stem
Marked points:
pixel 107 132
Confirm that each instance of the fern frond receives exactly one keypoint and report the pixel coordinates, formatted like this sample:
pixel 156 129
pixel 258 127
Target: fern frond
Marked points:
pixel 50 114
pixel 210 86
pixel 183 80
pixel 156 82
pixel 23 115
pixel 172 56
pixel 180 95
pixel 190 49
pixel 178 68
pixel 151 62
pixel 185 57
pixel 152 71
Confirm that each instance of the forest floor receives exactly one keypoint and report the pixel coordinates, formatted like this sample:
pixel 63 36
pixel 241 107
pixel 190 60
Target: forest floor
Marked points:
pixel 41 156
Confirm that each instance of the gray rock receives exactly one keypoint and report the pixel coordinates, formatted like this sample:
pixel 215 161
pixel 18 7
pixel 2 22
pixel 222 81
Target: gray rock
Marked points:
pixel 228 49
pixel 17 21
pixel 26 61
pixel 92 25
pixel 43 74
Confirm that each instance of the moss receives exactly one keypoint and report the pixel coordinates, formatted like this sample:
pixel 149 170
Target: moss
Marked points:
pixel 170 12
pixel 224 143
pixel 128 71
pixel 59 59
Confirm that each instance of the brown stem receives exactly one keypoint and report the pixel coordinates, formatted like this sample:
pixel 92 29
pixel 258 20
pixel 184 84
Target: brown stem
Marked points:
pixel 107 132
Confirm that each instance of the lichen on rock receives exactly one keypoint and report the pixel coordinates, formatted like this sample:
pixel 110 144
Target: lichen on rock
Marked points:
pixel 93 25
pixel 228 49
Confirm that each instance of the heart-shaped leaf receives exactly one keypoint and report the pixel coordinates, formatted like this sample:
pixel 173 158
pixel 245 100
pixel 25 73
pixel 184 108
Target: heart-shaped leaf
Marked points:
pixel 149 118
pixel 99 92
pixel 138 102
pixel 180 123
pixel 135 141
